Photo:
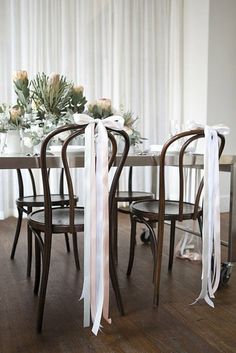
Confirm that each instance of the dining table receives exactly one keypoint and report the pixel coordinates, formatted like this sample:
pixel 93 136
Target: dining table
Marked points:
pixel 227 163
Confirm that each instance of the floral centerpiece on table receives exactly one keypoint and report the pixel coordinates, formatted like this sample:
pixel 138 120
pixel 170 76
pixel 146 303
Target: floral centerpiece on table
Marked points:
pixel 102 108
pixel 46 102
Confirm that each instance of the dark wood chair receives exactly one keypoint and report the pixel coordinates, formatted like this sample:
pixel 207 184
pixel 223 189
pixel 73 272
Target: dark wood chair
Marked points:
pixel 158 211
pixel 53 220
pixel 127 197
pixel 26 203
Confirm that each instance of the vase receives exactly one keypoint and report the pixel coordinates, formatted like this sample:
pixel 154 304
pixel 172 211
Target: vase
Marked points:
pixel 13 142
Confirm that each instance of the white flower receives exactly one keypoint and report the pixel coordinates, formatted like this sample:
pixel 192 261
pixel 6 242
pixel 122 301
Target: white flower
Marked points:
pixel 104 103
pixel 37 130
pixel 78 89
pixel 53 79
pixel 20 75
pixel 128 130
pixel 28 141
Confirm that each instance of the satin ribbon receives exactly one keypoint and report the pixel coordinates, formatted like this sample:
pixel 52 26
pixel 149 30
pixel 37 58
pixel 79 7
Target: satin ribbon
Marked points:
pixel 96 218
pixel 211 243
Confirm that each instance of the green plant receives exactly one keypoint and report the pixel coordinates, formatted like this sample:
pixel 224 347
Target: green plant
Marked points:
pixel 77 101
pixel 51 94
pixel 21 86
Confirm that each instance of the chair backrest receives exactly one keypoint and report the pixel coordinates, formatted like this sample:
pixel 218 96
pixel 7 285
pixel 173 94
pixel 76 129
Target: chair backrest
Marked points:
pixel 183 158
pixel 31 179
pixel 67 159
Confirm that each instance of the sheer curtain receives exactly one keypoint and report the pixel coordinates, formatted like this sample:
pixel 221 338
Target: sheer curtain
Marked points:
pixel 126 50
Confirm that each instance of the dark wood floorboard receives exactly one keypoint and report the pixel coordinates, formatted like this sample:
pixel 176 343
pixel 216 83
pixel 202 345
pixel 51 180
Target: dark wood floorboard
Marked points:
pixel 175 327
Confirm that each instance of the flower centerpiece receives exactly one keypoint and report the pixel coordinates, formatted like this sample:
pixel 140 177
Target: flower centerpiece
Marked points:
pixel 46 102
pixel 49 101
pixel 130 127
pixel 102 108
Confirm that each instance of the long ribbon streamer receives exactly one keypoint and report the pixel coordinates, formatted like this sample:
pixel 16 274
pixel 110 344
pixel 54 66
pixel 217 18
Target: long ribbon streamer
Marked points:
pixel 96 222
pixel 211 244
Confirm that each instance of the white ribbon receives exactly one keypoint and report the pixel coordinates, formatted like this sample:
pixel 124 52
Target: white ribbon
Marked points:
pixel 96 219
pixel 211 243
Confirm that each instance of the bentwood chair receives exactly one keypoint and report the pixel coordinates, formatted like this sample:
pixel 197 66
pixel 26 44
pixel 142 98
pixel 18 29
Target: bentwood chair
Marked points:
pixel 160 210
pixel 26 203
pixel 70 219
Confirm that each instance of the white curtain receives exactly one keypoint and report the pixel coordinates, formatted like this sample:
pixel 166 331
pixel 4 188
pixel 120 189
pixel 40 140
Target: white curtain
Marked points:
pixel 126 50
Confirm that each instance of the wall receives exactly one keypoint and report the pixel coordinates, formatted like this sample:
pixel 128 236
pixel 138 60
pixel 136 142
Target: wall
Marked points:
pixel 221 101
pixel 222 67
pixel 195 59
pixel 210 70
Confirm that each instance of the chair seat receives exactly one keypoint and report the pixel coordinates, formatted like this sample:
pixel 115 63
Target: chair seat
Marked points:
pixel 126 196
pixel 130 196
pixel 38 200
pixel 60 220
pixel 149 209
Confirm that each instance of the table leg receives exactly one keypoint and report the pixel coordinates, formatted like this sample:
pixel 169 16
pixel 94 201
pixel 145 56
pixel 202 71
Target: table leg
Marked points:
pixel 232 216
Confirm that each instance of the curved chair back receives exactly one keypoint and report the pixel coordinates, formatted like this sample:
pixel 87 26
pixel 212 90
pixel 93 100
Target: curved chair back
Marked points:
pixel 185 138
pixel 183 158
pixel 31 179
pixel 66 161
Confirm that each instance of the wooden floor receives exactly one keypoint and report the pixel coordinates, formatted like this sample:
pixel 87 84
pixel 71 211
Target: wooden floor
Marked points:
pixel 175 327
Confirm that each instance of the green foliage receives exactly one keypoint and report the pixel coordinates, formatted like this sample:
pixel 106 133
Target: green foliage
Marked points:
pixel 51 94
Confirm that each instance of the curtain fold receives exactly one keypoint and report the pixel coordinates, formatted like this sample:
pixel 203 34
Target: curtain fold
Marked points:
pixel 126 50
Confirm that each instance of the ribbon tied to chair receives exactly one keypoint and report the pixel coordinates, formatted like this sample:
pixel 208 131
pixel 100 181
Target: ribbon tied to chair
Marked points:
pixel 96 218
pixel 211 243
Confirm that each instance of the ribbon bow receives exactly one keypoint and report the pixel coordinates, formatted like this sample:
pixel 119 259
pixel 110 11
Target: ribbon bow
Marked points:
pixel 96 218
pixel 211 247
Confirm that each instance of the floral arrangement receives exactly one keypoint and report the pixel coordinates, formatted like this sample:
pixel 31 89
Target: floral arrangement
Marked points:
pixel 43 103
pixel 49 101
pixel 102 108
pixel 10 117
pixel 130 127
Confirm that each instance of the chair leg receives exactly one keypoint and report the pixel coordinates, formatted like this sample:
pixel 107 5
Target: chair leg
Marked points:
pixel 157 265
pixel 67 242
pixel 29 257
pixel 115 235
pixel 112 264
pixel 76 252
pixel 37 266
pixel 29 245
pixel 44 280
pixel 114 280
pixel 200 224
pixel 132 245
pixel 17 233
pixel 172 245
